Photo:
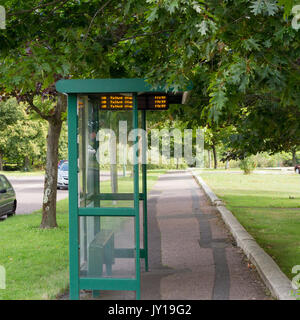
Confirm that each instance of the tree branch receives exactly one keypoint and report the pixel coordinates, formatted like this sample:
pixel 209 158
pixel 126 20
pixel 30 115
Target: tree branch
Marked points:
pixel 145 35
pixel 43 5
pixel 94 17
pixel 59 6
pixel 29 100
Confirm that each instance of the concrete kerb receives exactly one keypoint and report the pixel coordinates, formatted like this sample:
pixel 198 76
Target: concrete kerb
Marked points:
pixel 277 282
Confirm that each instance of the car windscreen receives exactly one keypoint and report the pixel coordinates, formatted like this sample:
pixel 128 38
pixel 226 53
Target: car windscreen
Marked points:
pixel 64 167
pixel 1 184
pixel 4 184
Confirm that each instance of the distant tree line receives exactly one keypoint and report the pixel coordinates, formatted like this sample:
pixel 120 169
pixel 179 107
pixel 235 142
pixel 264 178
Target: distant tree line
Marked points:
pixel 23 138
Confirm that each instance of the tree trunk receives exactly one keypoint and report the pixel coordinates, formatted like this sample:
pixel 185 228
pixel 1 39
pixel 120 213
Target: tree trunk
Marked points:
pixel 215 156
pixel 1 162
pixel 26 163
pixel 50 184
pixel 209 159
pixel 227 165
pixel 113 168
pixel 294 157
pixel 114 178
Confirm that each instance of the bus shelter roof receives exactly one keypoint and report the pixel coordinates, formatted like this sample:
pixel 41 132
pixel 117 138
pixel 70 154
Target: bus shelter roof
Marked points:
pixel 107 86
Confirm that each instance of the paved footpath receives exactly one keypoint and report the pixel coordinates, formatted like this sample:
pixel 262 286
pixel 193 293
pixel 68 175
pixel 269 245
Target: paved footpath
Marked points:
pixel 191 254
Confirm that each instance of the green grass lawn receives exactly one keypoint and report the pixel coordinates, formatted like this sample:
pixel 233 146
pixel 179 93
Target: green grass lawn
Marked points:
pixel 36 261
pixel 268 206
pixel 23 173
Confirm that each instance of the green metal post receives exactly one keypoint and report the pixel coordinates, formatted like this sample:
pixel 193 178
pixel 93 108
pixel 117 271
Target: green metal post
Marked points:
pixel 136 197
pixel 144 177
pixel 73 197
pixel 81 128
pixel 96 177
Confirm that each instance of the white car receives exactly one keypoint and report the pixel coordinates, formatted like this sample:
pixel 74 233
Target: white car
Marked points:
pixel 63 176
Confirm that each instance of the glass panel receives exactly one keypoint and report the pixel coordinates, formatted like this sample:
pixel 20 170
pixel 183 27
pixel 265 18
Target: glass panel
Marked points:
pixel 107 247
pixel 142 244
pixel 4 184
pixel 105 155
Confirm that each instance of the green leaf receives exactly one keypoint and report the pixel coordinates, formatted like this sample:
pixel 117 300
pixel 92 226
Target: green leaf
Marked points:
pixel 202 27
pixel 172 6
pixel 153 14
pixel 268 7
pixel 197 7
pixel 250 44
pixel 217 102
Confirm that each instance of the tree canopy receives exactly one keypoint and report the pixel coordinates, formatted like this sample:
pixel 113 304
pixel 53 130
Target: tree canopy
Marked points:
pixel 242 56
pixel 244 60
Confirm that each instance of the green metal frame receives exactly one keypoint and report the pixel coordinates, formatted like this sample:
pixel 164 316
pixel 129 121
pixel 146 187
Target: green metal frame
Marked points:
pixel 77 283
pixel 85 87
pixel 136 197
pixel 73 197
pixel 104 86
pixel 144 193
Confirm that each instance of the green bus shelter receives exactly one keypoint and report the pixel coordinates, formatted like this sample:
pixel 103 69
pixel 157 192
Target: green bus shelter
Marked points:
pixel 107 197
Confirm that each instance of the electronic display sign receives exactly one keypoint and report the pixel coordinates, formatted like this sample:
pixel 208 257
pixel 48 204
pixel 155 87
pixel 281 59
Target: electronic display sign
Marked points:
pixel 125 102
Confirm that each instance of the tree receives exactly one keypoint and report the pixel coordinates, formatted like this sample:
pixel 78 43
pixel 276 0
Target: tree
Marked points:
pixel 45 42
pixel 245 53
pixel 265 127
pixel 216 138
pixel 9 114
pixel 22 139
pixel 29 67
pixel 26 140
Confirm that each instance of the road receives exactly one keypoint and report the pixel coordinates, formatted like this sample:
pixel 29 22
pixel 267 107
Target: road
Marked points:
pixel 29 191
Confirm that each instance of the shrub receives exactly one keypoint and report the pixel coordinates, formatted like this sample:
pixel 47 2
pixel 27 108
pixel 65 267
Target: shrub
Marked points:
pixel 248 165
